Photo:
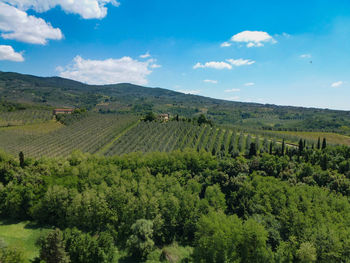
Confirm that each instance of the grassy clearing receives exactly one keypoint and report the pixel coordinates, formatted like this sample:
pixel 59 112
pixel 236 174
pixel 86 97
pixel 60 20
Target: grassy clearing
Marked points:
pixel 332 138
pixel 21 235
pixel 38 128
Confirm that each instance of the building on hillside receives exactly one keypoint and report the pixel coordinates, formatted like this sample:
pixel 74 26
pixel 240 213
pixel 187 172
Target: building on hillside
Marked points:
pixel 163 117
pixel 62 111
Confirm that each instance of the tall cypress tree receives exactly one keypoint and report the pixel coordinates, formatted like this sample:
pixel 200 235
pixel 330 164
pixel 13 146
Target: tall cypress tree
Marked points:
pixel 319 143
pixel 283 147
pixel 271 147
pixel 324 143
pixel 21 159
pixel 252 149
pixel 301 146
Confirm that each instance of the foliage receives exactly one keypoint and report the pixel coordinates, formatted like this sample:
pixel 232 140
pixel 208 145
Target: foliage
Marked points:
pixel 52 249
pixel 286 208
pixel 140 243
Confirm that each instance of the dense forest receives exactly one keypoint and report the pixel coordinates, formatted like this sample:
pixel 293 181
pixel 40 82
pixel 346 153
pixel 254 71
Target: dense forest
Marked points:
pixel 183 206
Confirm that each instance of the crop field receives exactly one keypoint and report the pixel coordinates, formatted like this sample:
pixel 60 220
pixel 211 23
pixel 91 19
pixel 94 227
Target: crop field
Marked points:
pixel 166 137
pixel 24 117
pixel 53 139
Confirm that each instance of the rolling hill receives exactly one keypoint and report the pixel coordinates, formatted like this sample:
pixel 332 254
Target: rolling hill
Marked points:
pixel 51 92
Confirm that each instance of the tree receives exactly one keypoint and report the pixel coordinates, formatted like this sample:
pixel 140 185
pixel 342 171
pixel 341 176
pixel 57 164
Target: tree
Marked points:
pixel 10 254
pixel 84 248
pixel 252 149
pixel 271 148
pixel 324 144
pixel 150 116
pixel 319 143
pixel 307 253
pixel 253 247
pixel 218 238
pixel 301 146
pixel 21 159
pixel 283 147
pixel 140 243
pixel 52 248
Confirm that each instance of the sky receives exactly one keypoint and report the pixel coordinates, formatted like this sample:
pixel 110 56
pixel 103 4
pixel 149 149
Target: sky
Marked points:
pixel 277 52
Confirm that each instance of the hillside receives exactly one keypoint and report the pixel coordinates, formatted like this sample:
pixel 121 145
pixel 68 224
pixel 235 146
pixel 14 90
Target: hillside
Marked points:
pixel 59 92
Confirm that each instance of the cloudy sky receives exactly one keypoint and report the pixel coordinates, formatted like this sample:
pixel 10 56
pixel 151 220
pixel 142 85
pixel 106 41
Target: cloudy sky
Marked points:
pixel 282 52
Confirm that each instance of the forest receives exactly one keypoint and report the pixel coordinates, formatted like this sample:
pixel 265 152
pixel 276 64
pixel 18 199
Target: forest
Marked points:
pixel 289 205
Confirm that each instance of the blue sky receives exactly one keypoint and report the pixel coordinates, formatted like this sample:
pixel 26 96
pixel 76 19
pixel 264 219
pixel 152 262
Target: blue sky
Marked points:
pixel 280 52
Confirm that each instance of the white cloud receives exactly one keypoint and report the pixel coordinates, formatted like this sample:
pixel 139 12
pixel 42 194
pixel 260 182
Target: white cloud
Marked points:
pixel 146 55
pixel 305 56
pixel 8 53
pixel 87 9
pixel 232 90
pixel 193 92
pixel 16 24
pixel 226 44
pixel 240 62
pixel 248 84
pixel 234 98
pixel 224 65
pixel 211 81
pixel 213 64
pixel 253 38
pixel 108 71
pixel 337 84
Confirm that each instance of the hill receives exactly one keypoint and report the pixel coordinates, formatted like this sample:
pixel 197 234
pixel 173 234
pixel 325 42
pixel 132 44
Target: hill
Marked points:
pixel 51 92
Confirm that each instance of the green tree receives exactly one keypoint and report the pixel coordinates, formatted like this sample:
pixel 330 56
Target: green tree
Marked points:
pixel 253 247
pixel 52 248
pixel 319 143
pixel 307 253
pixel 283 147
pixel 324 143
pixel 21 159
pixel 150 116
pixel 140 243
pixel 252 149
pixel 10 254
pixel 301 146
pixel 218 238
pixel 84 248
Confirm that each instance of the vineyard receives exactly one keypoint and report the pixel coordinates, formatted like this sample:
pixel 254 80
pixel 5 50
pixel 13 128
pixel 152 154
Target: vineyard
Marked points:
pixel 88 135
pixel 166 137
pixel 24 117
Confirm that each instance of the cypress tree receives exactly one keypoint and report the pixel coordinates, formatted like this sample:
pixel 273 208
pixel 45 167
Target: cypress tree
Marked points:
pixel 283 147
pixel 270 151
pixel 319 143
pixel 301 146
pixel 324 143
pixel 252 149
pixel 21 159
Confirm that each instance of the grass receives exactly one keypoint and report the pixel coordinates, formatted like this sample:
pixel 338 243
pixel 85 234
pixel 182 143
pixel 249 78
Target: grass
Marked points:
pixel 22 235
pixel 332 138
pixel 38 128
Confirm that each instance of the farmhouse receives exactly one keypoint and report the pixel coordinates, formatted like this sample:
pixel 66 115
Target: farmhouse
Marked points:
pixel 163 117
pixel 62 111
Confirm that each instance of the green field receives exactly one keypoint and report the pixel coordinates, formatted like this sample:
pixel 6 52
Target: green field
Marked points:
pixel 21 235
pixel 332 138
